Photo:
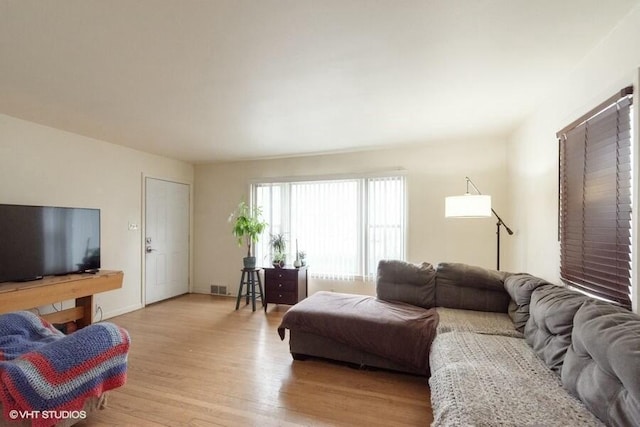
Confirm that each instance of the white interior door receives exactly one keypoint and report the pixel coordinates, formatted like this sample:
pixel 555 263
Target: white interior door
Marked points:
pixel 166 240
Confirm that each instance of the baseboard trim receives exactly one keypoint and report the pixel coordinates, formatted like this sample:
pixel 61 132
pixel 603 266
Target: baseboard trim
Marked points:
pixel 124 310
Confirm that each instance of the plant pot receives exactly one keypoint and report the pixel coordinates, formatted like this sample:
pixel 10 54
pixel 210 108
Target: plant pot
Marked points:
pixel 249 262
pixel 278 264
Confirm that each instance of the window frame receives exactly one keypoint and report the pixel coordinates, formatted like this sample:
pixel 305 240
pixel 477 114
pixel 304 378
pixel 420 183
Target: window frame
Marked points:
pixel 363 247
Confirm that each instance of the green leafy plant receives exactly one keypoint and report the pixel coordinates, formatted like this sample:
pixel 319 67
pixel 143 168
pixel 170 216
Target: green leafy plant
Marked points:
pixel 278 243
pixel 279 246
pixel 247 225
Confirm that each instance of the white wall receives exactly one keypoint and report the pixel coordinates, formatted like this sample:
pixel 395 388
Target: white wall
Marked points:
pixel 433 172
pixel 45 166
pixel 533 149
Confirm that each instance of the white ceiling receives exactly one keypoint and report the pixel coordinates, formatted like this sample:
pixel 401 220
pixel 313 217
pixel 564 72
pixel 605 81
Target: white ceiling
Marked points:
pixel 222 80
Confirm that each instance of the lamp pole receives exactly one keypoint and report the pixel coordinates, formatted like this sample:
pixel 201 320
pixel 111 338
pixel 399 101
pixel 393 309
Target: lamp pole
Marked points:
pixel 498 224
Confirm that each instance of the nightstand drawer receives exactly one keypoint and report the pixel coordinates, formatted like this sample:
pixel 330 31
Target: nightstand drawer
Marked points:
pixel 276 297
pixel 280 274
pixel 281 286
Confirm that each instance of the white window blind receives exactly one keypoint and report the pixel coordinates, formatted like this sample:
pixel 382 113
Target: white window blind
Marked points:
pixel 385 221
pixel 345 226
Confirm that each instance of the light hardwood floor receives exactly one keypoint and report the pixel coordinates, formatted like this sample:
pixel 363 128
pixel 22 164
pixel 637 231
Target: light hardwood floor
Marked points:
pixel 194 361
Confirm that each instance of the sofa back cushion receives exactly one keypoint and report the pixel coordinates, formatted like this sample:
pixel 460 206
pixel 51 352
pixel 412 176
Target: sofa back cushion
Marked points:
pixel 406 282
pixel 520 287
pixel 548 330
pixel 471 288
pixel 601 365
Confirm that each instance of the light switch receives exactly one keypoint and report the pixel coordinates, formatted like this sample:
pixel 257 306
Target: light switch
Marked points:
pixel 133 226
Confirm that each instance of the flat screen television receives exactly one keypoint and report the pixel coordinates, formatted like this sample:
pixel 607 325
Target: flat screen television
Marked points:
pixel 38 241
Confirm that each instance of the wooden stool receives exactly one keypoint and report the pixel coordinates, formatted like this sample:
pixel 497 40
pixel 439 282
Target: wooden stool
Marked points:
pixel 250 277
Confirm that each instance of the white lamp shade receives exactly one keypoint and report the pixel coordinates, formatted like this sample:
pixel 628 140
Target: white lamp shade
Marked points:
pixel 467 206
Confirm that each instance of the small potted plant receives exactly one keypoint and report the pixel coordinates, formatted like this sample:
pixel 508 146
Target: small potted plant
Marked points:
pixel 279 247
pixel 279 260
pixel 247 228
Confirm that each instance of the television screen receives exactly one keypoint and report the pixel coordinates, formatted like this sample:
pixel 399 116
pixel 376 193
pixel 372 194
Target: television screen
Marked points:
pixel 38 241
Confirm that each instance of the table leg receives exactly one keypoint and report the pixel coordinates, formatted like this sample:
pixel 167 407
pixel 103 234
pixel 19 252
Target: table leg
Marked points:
pixel 260 287
pixel 246 284
pixel 87 304
pixel 240 291
pixel 252 285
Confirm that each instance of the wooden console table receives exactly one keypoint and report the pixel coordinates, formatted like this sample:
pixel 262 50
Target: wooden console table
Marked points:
pixel 49 290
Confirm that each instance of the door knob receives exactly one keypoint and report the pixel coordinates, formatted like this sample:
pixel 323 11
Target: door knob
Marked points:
pixel 149 249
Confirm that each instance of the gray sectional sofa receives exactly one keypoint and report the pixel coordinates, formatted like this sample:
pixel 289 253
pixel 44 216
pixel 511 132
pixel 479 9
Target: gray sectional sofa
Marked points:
pixel 508 349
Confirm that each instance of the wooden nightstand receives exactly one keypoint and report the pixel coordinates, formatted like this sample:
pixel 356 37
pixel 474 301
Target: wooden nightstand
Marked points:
pixel 285 285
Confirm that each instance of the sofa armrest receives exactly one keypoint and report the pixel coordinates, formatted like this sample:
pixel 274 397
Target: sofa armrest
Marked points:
pixel 520 287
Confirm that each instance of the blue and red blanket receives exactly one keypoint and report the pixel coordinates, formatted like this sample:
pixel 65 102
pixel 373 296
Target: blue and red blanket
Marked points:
pixel 41 369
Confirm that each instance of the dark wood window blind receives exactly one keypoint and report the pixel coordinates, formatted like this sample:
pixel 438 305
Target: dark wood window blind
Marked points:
pixel 595 200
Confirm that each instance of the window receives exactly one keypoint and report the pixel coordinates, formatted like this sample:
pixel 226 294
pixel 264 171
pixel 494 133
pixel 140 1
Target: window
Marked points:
pixel 595 201
pixel 345 226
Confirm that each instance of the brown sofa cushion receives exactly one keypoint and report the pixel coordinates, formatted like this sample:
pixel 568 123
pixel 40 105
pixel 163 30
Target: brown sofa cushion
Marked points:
pixel 470 288
pixel 601 365
pixel 406 282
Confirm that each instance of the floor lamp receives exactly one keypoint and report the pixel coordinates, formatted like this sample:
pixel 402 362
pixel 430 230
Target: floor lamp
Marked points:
pixel 475 206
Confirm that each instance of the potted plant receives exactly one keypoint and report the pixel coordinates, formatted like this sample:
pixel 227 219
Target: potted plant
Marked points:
pixel 279 260
pixel 279 247
pixel 247 228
